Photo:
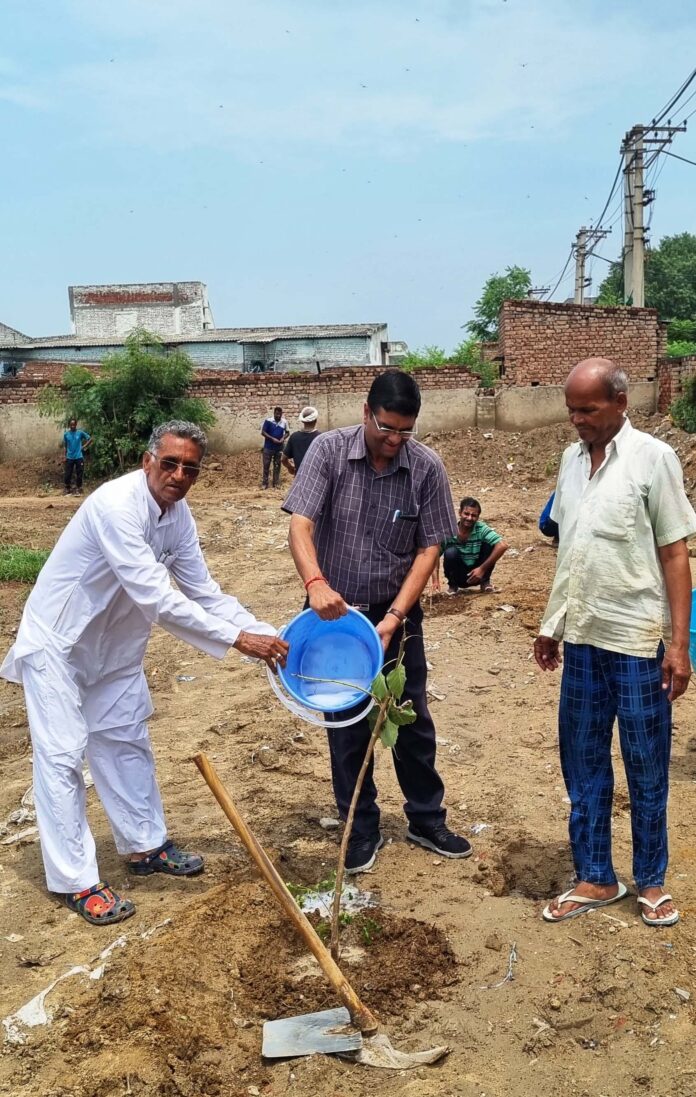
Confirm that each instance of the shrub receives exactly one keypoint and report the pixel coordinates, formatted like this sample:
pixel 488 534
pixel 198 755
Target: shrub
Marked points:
pixel 135 390
pixel 683 410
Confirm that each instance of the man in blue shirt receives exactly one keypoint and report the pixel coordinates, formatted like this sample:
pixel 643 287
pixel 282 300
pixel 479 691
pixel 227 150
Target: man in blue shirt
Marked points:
pixel 75 443
pixel 274 431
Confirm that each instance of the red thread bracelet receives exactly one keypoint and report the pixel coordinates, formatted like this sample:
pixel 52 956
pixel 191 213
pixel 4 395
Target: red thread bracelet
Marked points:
pixel 314 579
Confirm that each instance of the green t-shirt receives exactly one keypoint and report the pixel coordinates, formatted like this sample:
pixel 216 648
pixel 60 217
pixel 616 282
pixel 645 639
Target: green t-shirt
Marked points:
pixel 469 550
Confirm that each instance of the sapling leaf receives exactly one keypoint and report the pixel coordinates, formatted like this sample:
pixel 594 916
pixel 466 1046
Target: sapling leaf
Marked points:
pixel 378 688
pixel 389 734
pixel 402 714
pixel 372 717
pixel 396 681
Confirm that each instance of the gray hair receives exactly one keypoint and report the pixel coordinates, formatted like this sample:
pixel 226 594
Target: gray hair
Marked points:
pixel 616 381
pixel 180 429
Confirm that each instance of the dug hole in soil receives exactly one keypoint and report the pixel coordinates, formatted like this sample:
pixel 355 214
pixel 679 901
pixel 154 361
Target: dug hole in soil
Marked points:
pixel 593 1006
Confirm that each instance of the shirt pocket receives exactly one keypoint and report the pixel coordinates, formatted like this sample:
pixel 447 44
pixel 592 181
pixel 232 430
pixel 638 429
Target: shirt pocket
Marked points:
pixel 615 519
pixel 398 537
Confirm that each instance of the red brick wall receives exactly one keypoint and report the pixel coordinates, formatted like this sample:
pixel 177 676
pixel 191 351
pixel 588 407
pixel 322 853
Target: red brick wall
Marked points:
pixel 542 341
pixel 250 392
pixel 672 373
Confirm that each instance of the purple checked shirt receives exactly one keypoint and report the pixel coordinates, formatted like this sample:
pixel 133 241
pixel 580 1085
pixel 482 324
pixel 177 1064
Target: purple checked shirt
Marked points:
pixel 369 524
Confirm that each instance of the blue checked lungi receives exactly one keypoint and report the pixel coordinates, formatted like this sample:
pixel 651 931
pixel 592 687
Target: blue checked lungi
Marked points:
pixel 597 687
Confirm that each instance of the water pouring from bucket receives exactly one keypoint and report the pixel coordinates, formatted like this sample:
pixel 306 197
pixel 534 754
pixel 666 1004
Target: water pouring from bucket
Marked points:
pixel 330 667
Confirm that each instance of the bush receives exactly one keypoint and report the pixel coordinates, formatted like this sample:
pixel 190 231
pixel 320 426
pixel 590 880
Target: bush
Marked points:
pixel 680 348
pixel 683 410
pixel 135 390
pixel 20 565
pixel 678 330
pixel 426 358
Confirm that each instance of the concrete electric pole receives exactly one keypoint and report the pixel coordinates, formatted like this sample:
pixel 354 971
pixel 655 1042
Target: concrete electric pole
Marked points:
pixel 584 241
pixel 654 139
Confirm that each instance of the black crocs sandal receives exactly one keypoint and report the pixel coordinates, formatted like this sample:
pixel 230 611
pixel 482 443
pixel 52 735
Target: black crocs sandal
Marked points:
pixel 99 905
pixel 168 859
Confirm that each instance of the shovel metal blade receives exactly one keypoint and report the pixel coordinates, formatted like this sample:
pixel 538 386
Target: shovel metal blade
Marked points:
pixel 327 1032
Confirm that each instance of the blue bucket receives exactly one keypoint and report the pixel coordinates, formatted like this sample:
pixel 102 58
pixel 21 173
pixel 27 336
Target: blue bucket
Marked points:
pixel 347 651
pixel 692 630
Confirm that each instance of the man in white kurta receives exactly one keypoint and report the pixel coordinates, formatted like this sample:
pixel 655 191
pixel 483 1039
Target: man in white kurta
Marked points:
pixel 80 647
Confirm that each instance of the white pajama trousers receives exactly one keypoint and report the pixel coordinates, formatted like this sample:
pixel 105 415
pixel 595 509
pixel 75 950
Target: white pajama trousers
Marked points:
pixel 120 760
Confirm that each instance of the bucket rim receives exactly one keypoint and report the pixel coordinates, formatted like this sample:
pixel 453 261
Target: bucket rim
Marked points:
pixel 370 633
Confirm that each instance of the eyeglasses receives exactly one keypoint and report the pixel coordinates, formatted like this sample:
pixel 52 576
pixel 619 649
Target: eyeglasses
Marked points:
pixel 392 430
pixel 169 464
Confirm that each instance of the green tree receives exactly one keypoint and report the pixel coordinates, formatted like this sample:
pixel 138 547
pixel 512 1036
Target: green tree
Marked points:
pixel 670 281
pixel 422 359
pixel 513 285
pixel 135 389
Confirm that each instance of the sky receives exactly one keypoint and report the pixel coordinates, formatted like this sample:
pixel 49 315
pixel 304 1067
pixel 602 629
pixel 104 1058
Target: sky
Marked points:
pixel 314 162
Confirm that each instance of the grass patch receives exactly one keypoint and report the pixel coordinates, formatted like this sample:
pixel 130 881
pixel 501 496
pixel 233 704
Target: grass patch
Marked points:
pixel 20 565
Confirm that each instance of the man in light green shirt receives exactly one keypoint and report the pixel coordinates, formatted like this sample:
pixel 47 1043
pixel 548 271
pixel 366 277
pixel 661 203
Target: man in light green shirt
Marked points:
pixel 621 603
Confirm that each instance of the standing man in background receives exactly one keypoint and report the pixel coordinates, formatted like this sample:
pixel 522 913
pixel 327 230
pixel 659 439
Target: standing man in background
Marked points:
pixel 370 506
pixel 622 573
pixel 299 442
pixel 274 432
pixel 75 445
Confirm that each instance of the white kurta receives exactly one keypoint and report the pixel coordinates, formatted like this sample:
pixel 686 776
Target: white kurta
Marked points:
pixel 79 654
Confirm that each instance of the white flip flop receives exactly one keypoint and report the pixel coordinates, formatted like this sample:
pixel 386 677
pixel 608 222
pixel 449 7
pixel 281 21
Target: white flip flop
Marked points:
pixel 587 904
pixel 668 920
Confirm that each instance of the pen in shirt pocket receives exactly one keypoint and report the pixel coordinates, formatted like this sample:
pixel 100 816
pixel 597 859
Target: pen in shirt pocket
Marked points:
pixel 401 516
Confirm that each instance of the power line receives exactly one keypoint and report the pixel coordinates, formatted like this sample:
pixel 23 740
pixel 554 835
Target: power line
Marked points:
pixel 683 158
pixel 560 277
pixel 674 100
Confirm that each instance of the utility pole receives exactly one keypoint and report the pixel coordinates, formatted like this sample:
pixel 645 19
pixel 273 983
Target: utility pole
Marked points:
pixel 584 241
pixel 653 139
pixel 580 250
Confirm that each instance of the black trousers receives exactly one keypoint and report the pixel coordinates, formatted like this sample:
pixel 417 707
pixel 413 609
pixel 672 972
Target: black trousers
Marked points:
pixel 78 465
pixel 413 755
pixel 456 571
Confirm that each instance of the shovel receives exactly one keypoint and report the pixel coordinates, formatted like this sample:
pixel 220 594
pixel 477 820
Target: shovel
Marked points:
pixel 337 1030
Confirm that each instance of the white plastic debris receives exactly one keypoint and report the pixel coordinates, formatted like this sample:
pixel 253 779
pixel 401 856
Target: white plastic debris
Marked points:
pixel 352 901
pixel 682 994
pixel 436 694
pixel 478 828
pixel 29 833
pixel 506 608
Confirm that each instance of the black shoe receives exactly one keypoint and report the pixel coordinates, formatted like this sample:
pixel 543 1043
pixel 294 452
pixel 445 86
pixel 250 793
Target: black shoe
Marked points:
pixel 440 839
pixel 362 853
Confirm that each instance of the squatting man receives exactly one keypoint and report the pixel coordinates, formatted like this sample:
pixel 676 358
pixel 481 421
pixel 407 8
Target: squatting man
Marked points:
pixel 79 656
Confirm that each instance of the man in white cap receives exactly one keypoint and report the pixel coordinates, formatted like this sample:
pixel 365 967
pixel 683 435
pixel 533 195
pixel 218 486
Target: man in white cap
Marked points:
pixel 299 442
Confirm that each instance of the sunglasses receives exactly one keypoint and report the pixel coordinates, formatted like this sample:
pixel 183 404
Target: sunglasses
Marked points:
pixel 170 464
pixel 392 430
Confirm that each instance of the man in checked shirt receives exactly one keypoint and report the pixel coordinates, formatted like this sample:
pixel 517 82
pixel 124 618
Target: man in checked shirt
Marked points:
pixel 370 506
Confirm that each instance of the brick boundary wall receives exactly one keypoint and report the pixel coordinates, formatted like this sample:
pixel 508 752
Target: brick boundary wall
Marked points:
pixel 672 375
pixel 250 392
pixel 541 341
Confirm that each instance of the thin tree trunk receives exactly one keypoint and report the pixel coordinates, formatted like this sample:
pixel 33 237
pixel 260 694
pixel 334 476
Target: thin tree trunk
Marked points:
pixel 341 865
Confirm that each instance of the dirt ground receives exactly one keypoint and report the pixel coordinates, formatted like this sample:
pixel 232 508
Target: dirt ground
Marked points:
pixel 601 1005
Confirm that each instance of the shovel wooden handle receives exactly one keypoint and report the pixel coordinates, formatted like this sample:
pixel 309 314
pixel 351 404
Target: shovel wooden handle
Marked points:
pixel 361 1016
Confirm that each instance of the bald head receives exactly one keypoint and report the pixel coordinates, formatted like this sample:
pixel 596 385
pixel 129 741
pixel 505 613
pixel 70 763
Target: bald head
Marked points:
pixel 596 398
pixel 602 371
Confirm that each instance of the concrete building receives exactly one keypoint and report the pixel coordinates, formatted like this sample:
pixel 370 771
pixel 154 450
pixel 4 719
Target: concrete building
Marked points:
pixel 164 308
pixel 179 313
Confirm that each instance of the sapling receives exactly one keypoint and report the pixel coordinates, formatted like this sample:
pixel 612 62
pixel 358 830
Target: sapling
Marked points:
pixel 385 719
